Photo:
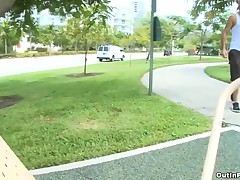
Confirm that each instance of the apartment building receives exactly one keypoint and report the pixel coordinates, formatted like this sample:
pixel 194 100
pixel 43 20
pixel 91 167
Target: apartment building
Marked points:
pixel 122 20
pixel 44 18
pixel 139 10
pixel 123 17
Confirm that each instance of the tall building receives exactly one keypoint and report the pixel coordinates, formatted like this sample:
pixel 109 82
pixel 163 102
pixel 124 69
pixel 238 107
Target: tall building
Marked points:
pixel 44 18
pixel 128 14
pixel 124 16
pixel 139 9
pixel 122 20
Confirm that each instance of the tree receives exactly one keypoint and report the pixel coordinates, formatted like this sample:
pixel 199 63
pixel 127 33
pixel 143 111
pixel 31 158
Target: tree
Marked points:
pixel 169 32
pixel 142 35
pixel 45 36
pixel 212 7
pixel 126 41
pixel 213 24
pixel 32 36
pixel 60 38
pixel 214 12
pixel 74 31
pixel 7 35
pixel 108 35
pixel 21 12
pixel 173 28
pixel 203 27
pixel 191 41
pixel 104 35
pixel 182 27
pixel 92 15
pixel 89 22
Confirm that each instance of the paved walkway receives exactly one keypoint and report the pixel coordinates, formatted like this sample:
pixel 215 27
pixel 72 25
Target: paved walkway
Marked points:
pixel 192 88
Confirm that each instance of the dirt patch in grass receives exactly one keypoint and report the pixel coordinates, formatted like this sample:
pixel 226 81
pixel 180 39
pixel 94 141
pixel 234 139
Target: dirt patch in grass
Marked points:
pixel 6 101
pixel 79 75
pixel 90 124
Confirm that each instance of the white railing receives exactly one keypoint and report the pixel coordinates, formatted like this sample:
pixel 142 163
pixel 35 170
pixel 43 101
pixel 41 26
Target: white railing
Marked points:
pixel 210 159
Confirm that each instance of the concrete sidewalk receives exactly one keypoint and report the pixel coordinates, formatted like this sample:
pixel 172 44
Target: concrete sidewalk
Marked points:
pixel 189 86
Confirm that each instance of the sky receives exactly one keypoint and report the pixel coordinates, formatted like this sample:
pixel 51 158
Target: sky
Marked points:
pixel 172 7
pixel 167 7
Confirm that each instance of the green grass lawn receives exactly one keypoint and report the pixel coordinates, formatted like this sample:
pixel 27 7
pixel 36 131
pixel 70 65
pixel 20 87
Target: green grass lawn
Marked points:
pixel 221 72
pixel 64 119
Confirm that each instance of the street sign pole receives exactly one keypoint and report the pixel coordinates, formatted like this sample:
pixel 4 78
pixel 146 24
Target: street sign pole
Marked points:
pixel 153 10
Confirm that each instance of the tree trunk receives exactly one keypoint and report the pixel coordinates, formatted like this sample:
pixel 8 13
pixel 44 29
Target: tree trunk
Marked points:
pixel 62 45
pixel 30 41
pixel 49 49
pixel 202 40
pixel 6 45
pixel 86 52
pixel 76 46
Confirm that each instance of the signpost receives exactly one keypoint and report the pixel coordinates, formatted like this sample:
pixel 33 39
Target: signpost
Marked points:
pixel 155 35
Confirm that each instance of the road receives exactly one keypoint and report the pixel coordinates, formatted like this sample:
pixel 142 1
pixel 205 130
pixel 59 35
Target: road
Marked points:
pixel 25 65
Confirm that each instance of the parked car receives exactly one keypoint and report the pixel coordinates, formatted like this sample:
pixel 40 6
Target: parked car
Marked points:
pixel 110 52
pixel 167 53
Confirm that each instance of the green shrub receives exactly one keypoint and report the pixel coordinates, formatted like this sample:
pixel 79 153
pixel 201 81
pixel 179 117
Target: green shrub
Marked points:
pixel 45 53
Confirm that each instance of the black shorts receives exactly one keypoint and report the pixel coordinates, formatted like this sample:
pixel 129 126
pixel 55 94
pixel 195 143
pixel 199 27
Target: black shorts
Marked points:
pixel 234 61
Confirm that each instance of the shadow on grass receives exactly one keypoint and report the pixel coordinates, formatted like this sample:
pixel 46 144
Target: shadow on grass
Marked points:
pixel 100 89
pixel 7 101
pixel 82 75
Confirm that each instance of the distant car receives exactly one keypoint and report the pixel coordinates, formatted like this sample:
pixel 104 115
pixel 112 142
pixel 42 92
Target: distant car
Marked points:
pixel 110 52
pixel 167 53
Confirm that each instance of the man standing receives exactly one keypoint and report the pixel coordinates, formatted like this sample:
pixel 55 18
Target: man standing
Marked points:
pixel 233 55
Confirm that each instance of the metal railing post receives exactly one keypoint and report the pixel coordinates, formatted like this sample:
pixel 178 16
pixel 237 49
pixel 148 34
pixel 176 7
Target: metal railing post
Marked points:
pixel 213 144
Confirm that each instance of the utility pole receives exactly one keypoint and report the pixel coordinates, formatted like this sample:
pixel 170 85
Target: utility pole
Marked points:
pixel 153 10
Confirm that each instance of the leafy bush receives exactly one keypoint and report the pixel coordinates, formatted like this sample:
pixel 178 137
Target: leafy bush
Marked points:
pixel 44 53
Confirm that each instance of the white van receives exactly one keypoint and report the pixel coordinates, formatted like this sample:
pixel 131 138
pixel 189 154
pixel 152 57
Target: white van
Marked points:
pixel 110 52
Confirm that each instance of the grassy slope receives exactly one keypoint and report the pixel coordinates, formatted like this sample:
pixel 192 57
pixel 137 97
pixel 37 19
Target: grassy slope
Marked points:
pixel 219 72
pixel 63 119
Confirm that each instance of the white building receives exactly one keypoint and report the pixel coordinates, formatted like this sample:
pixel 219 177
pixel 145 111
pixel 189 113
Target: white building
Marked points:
pixel 128 14
pixel 139 9
pixel 122 19
pixel 44 18
pixel 124 16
